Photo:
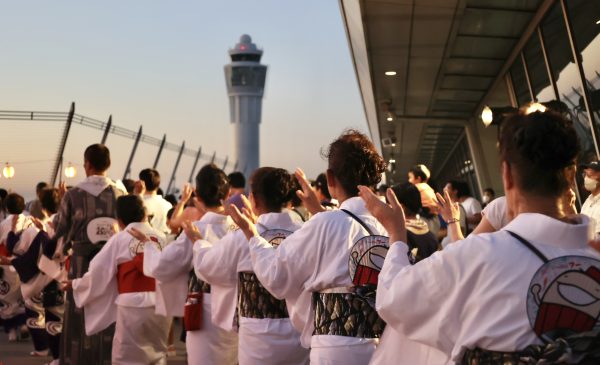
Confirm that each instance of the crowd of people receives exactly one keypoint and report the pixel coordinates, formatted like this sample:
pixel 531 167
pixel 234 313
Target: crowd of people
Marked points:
pixel 341 270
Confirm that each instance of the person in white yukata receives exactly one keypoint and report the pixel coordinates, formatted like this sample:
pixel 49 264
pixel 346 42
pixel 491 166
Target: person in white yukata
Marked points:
pixel 325 276
pixel 115 289
pixel 497 298
pixel 266 334
pixel 172 268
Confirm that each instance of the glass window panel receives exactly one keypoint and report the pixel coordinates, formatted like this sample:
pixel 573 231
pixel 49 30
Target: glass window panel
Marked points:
pixel 567 77
pixel 536 65
pixel 517 73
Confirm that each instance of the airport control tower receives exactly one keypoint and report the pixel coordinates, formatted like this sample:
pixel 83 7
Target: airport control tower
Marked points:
pixel 245 86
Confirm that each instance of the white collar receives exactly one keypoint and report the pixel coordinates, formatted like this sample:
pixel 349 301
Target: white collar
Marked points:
pixel 540 228
pixel 274 220
pixel 95 184
pixel 214 218
pixel 356 205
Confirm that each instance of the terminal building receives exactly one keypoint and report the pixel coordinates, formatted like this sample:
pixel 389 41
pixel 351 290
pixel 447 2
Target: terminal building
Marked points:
pixel 427 69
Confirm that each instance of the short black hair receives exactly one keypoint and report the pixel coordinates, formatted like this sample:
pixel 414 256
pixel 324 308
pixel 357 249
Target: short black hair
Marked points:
pixel 541 149
pixel 321 184
pixel 409 196
pixel 98 156
pixel 271 187
pixel 129 185
pixel 15 204
pixel 3 193
pixel 171 198
pixel 461 187
pixel 294 199
pixel 50 200
pixel 130 209
pixel 151 178
pixel 489 190
pixel 237 180
pixel 212 185
pixel 40 186
pixel 420 171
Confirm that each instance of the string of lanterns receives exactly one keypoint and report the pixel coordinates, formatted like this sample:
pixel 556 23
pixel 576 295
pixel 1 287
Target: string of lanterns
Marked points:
pixel 9 171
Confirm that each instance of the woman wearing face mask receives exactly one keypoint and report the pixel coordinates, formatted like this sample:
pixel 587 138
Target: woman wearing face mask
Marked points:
pixel 591 207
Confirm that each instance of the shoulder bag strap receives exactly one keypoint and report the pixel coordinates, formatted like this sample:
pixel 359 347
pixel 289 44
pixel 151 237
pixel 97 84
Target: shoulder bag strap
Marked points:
pixel 531 247
pixel 359 221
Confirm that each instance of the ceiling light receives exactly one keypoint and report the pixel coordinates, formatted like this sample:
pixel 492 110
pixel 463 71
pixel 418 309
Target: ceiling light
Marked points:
pixel 598 21
pixel 390 73
pixel 487 116
pixel 494 115
pixel 392 160
pixel 535 107
pixel 390 117
pixel 393 145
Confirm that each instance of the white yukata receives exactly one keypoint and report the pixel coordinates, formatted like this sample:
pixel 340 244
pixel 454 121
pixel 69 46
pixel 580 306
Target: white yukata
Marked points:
pixel 474 293
pixel 315 259
pixel 268 337
pixel 114 290
pixel 11 304
pixel 171 268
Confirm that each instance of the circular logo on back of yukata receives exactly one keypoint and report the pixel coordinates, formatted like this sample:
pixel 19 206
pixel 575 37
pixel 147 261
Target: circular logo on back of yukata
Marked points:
pixel 564 297
pixel 101 229
pixel 275 236
pixel 366 259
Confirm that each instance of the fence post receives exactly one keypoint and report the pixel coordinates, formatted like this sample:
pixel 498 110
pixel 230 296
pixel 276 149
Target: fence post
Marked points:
pixel 225 163
pixel 175 168
pixel 212 160
pixel 135 144
pixel 106 130
pixel 235 166
pixel 195 164
pixel 63 143
pixel 162 144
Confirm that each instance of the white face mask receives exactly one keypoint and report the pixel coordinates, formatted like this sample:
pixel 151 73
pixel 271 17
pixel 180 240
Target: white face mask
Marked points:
pixel 486 199
pixel 589 183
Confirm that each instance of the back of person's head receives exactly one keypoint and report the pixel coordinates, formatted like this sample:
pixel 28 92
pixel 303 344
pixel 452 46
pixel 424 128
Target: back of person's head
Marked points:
pixel 461 187
pixel 14 203
pixel 540 149
pixel 50 200
pixel 489 191
pixel 130 209
pixel 151 179
pixel 98 157
pixel 129 185
pixel 271 188
pixel 293 198
pixel 353 160
pixel 40 186
pixel 3 194
pixel 237 180
pixel 409 196
pixel 321 184
pixel 171 198
pixel 420 171
pixel 212 185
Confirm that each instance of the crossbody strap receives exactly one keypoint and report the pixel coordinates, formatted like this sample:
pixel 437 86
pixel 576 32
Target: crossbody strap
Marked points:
pixel 359 221
pixel 531 247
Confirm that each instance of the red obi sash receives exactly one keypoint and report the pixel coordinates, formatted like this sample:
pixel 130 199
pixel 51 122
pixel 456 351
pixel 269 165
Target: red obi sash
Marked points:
pixel 131 278
pixel 4 251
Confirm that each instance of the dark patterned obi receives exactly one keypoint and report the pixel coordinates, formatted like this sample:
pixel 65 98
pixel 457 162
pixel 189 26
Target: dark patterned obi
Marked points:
pixel 582 348
pixel 254 301
pixel 196 285
pixel 347 312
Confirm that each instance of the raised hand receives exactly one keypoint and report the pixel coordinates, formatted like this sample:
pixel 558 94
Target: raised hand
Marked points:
pixel 243 221
pixel 191 231
pixel 307 194
pixel 247 209
pixel 391 216
pixel 449 210
pixel 138 235
pixel 38 224
pixel 62 189
pixel 186 192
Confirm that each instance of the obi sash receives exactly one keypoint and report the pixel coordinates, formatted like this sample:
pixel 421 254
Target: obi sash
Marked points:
pixel 131 278
pixel 255 301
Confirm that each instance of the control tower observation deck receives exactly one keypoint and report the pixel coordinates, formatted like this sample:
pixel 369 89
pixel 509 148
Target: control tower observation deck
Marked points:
pixel 245 77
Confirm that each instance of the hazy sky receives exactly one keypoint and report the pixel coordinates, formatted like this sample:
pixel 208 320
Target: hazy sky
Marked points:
pixel 160 64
